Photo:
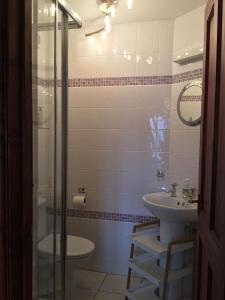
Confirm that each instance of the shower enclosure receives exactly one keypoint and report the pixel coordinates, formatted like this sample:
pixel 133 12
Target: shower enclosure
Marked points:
pixel 51 21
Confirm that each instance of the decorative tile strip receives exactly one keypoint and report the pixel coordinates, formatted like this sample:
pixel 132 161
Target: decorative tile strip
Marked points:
pixel 186 76
pixel 128 81
pixel 48 82
pixel 98 215
pixel 121 81
pixel 191 98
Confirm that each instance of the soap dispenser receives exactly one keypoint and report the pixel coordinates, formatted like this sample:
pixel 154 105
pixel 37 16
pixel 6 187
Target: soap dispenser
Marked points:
pixel 188 192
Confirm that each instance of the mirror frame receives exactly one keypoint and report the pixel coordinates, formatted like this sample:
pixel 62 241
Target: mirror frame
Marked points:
pixel 189 85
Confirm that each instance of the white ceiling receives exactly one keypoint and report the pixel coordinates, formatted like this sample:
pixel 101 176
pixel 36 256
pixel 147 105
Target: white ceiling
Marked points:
pixel 143 10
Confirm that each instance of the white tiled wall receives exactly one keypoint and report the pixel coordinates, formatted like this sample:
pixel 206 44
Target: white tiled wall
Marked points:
pixel 124 52
pixel 120 136
pixel 188 34
pixel 184 140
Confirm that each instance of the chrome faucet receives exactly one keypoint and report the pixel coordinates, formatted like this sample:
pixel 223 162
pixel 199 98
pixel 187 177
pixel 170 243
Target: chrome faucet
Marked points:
pixel 173 190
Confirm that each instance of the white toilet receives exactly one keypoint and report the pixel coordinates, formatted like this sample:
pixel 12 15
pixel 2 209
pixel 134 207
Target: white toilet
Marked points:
pixel 79 250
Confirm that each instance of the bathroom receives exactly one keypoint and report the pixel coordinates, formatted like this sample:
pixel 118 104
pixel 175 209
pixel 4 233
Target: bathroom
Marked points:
pixel 108 131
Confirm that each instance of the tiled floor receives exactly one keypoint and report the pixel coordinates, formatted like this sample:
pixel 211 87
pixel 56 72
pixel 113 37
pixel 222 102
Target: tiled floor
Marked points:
pixel 100 286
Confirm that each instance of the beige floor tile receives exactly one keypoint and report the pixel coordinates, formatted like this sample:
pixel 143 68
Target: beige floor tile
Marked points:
pixel 90 280
pixel 114 284
pixel 108 296
pixel 117 284
pixel 81 294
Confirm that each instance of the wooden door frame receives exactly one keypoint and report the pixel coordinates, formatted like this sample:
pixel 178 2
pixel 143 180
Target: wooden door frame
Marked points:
pixel 15 150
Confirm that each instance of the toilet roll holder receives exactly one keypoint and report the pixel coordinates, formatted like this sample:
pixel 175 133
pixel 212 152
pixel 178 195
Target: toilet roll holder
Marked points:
pixel 82 190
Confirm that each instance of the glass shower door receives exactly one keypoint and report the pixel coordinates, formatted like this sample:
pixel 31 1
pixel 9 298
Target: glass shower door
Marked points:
pixel 50 85
pixel 47 151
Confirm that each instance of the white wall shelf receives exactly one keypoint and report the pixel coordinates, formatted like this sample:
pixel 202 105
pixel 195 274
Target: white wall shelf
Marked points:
pixel 189 56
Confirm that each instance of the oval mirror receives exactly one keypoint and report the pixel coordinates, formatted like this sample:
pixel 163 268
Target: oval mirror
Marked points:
pixel 189 104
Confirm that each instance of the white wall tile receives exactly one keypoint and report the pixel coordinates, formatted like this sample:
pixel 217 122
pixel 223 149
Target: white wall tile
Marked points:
pixel 113 202
pixel 112 139
pixel 102 66
pixel 124 38
pixel 148 65
pixel 105 97
pixel 120 136
pixel 148 37
pixel 153 118
pixel 134 161
pixel 166 31
pixel 185 166
pixel 163 140
pixel 185 141
pixel 193 37
pixel 120 97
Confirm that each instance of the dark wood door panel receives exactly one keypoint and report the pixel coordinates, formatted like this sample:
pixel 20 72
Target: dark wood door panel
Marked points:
pixel 208 107
pixel 15 151
pixel 211 224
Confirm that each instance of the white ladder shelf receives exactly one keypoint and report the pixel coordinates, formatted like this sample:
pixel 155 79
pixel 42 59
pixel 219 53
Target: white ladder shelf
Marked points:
pixel 147 265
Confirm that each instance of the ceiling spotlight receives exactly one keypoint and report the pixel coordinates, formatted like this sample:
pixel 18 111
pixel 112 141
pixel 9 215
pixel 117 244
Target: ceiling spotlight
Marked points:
pixel 103 34
pixel 113 11
pixel 107 6
pixel 130 4
pixel 107 24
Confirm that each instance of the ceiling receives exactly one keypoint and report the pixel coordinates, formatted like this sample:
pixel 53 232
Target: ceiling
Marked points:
pixel 143 10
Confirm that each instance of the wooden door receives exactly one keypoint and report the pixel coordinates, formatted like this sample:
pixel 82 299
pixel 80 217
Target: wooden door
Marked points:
pixel 210 280
pixel 15 151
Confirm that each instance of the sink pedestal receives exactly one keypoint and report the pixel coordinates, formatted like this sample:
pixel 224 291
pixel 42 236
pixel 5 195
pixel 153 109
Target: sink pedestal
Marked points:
pixel 169 232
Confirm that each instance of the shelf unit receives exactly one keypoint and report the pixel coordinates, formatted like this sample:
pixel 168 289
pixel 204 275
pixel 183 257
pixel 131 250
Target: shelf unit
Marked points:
pixel 144 291
pixel 152 245
pixel 147 265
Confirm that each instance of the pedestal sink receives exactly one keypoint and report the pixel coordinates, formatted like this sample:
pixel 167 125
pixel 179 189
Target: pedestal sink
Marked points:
pixel 174 213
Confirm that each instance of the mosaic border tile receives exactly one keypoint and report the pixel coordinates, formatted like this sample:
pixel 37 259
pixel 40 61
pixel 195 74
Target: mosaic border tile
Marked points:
pixel 100 215
pixel 127 81
pixel 186 76
pixel 121 81
pixel 192 98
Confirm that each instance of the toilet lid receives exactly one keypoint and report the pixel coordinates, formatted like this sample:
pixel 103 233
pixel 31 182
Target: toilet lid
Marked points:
pixel 76 246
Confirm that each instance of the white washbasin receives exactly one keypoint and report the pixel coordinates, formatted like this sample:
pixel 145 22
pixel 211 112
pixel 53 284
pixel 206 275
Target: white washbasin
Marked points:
pixel 170 209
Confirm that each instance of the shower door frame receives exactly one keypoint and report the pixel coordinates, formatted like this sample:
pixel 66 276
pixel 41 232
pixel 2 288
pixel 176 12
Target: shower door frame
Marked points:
pixel 65 11
pixel 64 99
pixel 64 26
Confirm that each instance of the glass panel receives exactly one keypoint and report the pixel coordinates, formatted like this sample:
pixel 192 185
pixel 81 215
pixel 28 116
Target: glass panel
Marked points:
pixel 49 144
pixel 44 148
pixel 59 158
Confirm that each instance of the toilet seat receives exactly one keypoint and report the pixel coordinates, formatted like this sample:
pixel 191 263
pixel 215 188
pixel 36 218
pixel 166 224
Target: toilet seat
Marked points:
pixel 77 247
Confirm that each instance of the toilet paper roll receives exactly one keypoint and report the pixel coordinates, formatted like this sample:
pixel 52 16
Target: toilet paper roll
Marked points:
pixel 80 200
